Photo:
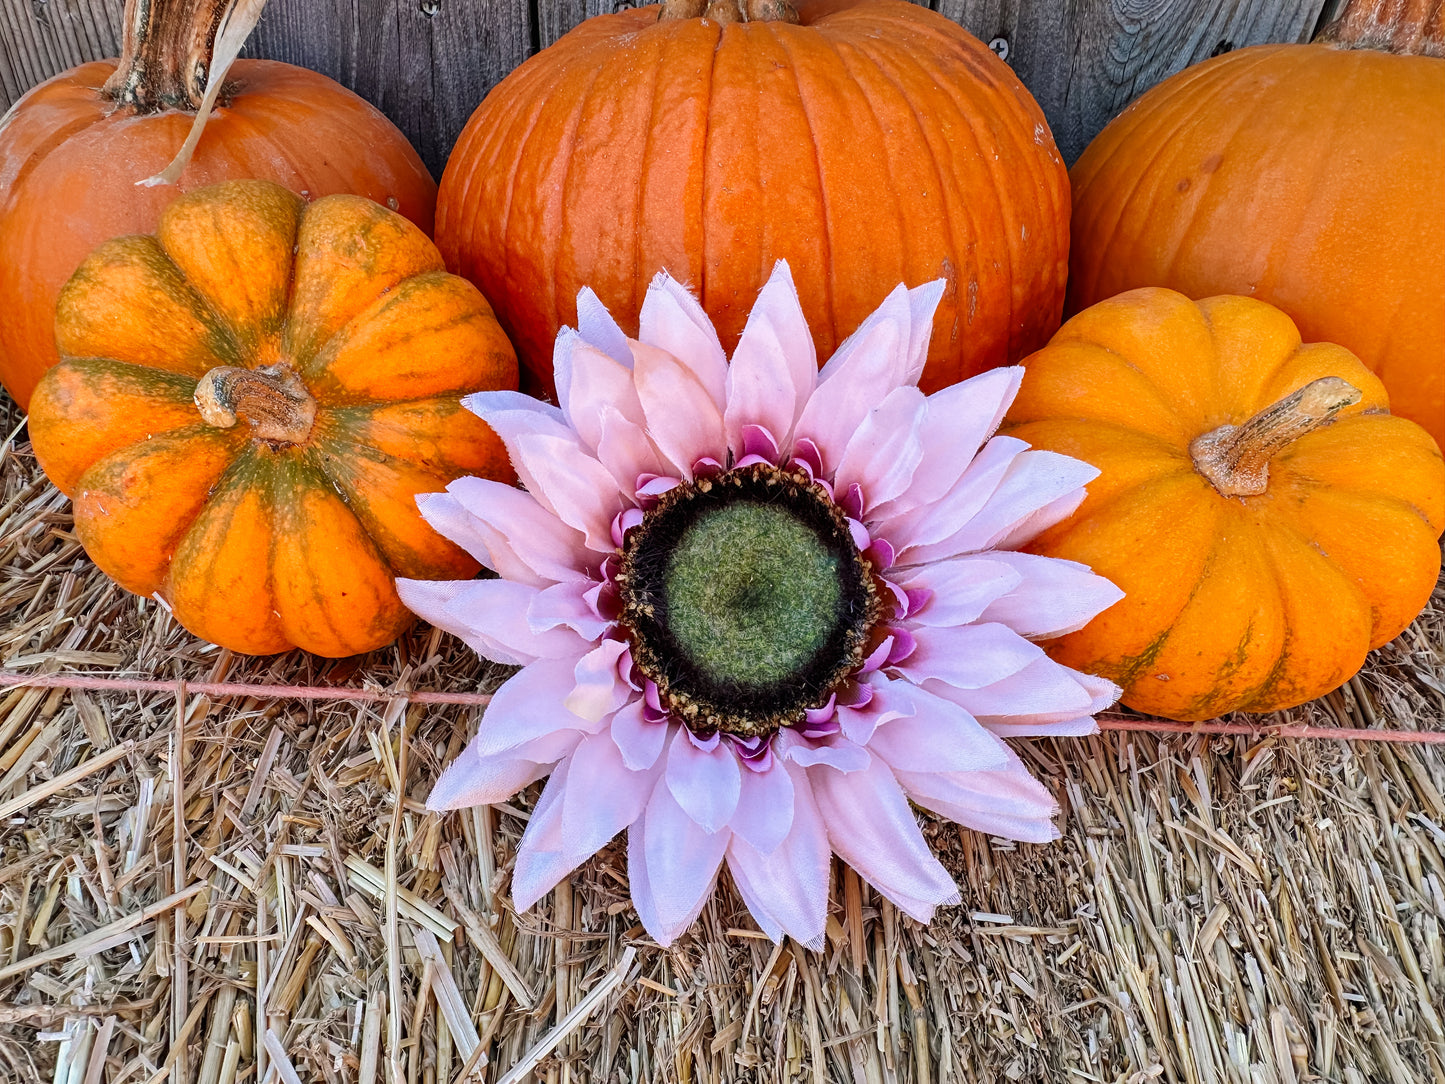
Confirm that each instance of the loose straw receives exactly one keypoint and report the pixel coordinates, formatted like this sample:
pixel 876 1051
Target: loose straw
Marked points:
pixel 314 692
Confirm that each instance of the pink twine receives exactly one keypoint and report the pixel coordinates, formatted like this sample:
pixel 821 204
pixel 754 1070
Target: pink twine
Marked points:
pixel 313 692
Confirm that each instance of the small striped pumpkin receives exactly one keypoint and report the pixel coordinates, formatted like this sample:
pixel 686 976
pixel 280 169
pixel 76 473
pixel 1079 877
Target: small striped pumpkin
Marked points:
pixel 250 400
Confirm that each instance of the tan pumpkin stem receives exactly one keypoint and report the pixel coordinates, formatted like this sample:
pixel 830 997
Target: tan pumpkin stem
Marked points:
pixel 167 49
pixel 730 11
pixel 1406 27
pixel 1235 458
pixel 273 399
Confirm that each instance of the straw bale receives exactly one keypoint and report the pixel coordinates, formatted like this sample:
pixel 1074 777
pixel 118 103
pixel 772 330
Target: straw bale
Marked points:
pixel 251 889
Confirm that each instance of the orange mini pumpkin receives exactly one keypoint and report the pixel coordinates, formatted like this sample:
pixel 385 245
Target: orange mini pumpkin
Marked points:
pixel 249 402
pixel 1269 521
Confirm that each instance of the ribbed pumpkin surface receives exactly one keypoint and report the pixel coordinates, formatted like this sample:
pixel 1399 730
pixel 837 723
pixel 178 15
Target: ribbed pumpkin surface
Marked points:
pixel 258 540
pixel 875 143
pixel 1308 176
pixel 1252 602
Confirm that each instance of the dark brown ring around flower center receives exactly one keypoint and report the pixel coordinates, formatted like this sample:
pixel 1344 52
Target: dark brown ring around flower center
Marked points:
pixel 684 647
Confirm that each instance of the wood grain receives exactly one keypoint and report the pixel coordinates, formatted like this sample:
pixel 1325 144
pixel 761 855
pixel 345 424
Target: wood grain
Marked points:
pixel 1085 61
pixel 428 63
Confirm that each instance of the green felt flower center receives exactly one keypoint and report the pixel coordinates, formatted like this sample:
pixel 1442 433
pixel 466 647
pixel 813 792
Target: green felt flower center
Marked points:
pixel 752 593
pixel 746 599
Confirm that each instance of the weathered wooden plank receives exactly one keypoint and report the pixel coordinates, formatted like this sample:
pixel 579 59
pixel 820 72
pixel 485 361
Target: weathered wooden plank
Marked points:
pixel 41 38
pixel 1085 61
pixel 428 63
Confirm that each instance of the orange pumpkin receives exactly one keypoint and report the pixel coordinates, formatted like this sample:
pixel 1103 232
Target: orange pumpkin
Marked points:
pixel 249 403
pixel 1309 176
pixel 73 149
pixel 1269 521
pixel 871 143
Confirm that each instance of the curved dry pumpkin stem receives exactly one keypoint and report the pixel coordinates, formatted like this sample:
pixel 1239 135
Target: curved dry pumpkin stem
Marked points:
pixel 1406 27
pixel 1235 458
pixel 730 11
pixel 272 399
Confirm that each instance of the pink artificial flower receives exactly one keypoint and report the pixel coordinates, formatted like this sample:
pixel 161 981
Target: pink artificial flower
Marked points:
pixel 759 608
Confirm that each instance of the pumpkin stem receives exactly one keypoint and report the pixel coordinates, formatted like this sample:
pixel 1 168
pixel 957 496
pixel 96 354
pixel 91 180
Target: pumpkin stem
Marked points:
pixel 730 11
pixel 165 54
pixel 273 399
pixel 1235 458
pixel 1405 27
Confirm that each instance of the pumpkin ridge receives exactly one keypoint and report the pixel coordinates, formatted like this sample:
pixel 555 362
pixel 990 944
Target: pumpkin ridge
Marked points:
pixel 888 71
pixel 842 50
pixel 1164 120
pixel 962 112
pixel 552 239
pixel 1241 120
pixel 826 234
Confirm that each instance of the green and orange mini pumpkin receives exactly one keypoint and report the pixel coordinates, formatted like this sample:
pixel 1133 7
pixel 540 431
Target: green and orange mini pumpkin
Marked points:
pixel 1268 519
pixel 249 402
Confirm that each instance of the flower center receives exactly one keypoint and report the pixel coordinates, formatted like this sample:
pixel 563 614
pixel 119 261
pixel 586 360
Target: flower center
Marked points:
pixel 747 599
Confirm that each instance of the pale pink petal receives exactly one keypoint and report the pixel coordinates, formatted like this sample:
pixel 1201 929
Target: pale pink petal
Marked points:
pixel 447 516
pixel 837 752
pixel 872 828
pixel 1041 694
pixel 958 419
pixel 595 324
pixel 499 408
pixel 589 381
pixel 565 604
pixel 764 813
pixel 1034 524
pixel 528 705
pixel 922 304
pixel 969 656
pixel 673 321
pixel 860 376
pixel 1068 728
pixel 598 689
pixel 431 599
pixel 923 534
pixel 706 783
pixel 569 481
pixel 672 865
pixel 1007 802
pixel 474 779
pixel 1035 480
pixel 682 418
pixel 882 454
pixel 639 739
pixel 936 735
pixel 627 452
pixel 775 365
pixel 543 859
pixel 589 799
pixel 525 541
pixel 786 887
pixel 961 590
pixel 490 616
pixel 1052 597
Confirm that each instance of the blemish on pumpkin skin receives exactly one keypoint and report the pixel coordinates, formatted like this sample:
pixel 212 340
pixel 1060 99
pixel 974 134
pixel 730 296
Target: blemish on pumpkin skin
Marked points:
pixel 1212 163
pixel 1183 185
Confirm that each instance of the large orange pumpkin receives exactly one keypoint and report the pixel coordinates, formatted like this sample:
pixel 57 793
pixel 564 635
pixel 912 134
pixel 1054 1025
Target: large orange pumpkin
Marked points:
pixel 72 150
pixel 1309 176
pixel 1269 521
pixel 874 142
pixel 250 402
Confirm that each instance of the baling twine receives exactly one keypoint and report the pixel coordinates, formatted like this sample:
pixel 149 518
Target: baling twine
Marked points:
pixel 346 693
